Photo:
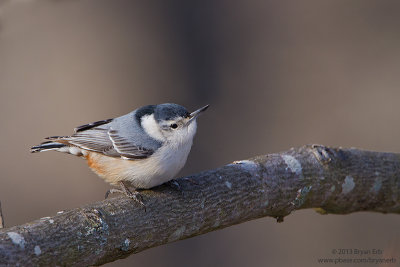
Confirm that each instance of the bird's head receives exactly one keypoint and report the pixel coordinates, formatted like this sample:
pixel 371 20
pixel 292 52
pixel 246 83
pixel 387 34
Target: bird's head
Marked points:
pixel 170 122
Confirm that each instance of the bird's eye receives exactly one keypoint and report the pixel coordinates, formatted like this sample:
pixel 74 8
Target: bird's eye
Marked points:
pixel 174 126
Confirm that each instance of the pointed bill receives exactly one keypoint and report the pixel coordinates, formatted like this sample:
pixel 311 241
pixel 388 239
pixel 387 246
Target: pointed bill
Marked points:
pixel 196 113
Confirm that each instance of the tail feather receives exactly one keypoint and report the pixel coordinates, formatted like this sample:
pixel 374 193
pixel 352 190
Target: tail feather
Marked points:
pixel 49 145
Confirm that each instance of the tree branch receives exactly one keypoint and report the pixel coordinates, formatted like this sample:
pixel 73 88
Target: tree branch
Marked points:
pixel 335 180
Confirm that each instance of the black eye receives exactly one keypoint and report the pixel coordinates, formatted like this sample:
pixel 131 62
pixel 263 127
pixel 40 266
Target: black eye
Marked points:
pixel 174 126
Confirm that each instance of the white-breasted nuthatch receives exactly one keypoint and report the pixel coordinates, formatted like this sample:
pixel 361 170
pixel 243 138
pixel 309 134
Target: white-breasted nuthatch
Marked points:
pixel 146 147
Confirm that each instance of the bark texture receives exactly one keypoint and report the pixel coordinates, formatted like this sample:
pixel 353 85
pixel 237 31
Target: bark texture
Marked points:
pixel 334 180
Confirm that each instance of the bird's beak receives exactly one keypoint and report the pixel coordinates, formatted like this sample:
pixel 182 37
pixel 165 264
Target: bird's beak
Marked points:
pixel 196 113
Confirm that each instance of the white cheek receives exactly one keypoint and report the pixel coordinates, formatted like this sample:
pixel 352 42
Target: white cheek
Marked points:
pixel 150 126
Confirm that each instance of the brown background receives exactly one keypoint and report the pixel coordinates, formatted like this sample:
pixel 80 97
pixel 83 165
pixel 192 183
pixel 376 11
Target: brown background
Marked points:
pixel 276 73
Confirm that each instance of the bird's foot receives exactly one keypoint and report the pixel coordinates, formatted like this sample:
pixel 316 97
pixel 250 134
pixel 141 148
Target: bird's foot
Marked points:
pixel 175 184
pixel 135 195
pixel 112 191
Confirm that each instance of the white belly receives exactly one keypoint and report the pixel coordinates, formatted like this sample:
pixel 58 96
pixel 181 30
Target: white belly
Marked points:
pixel 161 167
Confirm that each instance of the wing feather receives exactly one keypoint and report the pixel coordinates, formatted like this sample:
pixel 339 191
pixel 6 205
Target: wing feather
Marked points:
pixel 101 138
pixel 126 148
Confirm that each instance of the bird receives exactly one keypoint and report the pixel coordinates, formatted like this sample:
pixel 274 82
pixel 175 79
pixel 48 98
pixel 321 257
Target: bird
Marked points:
pixel 142 149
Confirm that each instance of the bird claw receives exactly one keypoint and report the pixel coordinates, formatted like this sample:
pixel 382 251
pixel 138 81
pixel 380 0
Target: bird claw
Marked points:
pixel 112 191
pixel 135 195
pixel 174 183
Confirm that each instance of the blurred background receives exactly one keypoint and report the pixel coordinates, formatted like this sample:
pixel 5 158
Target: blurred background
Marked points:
pixel 277 74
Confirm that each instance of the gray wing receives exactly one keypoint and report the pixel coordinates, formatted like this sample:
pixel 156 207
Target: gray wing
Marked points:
pixel 102 138
pixel 126 148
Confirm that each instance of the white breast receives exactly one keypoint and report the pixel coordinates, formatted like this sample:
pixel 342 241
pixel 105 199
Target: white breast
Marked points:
pixel 159 168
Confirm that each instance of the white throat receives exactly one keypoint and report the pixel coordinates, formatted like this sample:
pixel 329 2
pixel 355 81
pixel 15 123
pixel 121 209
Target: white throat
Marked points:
pixel 150 126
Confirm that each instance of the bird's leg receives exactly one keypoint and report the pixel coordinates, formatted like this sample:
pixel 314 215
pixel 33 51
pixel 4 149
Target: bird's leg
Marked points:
pixel 135 195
